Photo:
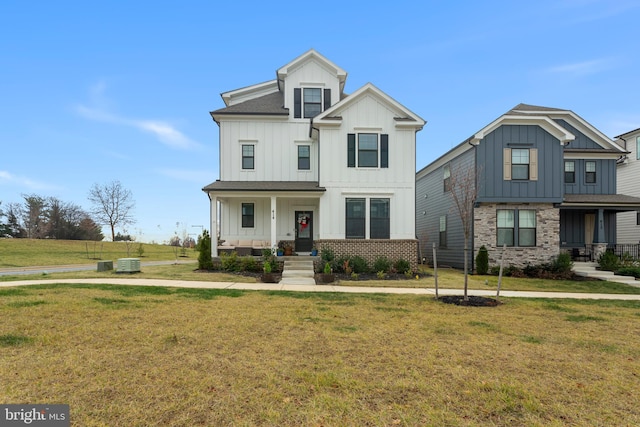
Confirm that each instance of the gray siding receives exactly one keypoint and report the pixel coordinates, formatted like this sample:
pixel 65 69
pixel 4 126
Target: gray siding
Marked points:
pixel 490 152
pixel 431 203
pixel 572 227
pixel 605 178
pixel 581 141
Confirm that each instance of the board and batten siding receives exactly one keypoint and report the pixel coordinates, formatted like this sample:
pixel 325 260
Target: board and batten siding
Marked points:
pixel 275 154
pixel 395 182
pixel 311 74
pixel 432 202
pixel 490 153
pixel 605 178
pixel 629 183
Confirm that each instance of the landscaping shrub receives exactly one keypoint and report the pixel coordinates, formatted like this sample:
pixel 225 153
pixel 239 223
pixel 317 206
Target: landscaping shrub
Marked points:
pixel 249 263
pixel 402 266
pixel 358 265
pixel 562 263
pixel 609 261
pixel 204 257
pixel 482 260
pixel 327 255
pixel 230 262
pixel 629 271
pixel 382 264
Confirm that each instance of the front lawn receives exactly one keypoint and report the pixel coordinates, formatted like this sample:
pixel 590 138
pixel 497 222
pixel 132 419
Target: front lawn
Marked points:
pixel 139 356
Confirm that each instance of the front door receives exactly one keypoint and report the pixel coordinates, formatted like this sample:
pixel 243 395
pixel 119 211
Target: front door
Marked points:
pixel 304 231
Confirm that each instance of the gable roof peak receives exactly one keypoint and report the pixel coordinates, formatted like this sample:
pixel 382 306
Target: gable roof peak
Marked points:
pixel 311 55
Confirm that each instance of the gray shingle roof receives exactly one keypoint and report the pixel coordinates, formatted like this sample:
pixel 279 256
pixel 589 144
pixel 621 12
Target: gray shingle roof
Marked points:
pixel 268 186
pixel 271 104
pixel 603 199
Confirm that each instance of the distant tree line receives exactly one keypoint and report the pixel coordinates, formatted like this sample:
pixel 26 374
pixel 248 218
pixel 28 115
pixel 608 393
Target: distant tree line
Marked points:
pixel 40 217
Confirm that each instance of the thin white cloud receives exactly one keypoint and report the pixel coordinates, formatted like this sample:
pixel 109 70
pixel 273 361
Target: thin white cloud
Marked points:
pixel 582 68
pixel 164 131
pixel 201 177
pixel 7 177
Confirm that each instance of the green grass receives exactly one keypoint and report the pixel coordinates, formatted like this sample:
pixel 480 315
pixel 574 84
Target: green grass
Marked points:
pixel 39 252
pixel 214 357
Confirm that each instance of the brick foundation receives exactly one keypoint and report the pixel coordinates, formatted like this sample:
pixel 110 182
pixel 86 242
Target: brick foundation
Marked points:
pixel 547 235
pixel 371 249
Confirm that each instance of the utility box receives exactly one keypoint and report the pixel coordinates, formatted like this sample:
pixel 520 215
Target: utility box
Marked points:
pixel 105 265
pixel 128 265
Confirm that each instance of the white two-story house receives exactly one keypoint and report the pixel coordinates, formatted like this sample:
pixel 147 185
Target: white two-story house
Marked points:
pixel 303 162
pixel 629 183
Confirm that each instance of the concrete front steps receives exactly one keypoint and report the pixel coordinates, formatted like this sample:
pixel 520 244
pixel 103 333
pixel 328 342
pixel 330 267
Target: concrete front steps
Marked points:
pixel 298 272
pixel 588 269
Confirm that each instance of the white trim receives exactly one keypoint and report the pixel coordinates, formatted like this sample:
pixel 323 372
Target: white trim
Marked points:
pixel 595 155
pixel 557 131
pixel 237 96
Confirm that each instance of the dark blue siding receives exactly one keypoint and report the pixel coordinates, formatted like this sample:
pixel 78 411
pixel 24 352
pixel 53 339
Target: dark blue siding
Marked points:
pixel 438 203
pixel 581 141
pixel 605 178
pixel 490 152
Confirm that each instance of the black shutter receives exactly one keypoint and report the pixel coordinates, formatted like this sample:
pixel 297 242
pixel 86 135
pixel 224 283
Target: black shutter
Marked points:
pixel 297 103
pixel 384 150
pixel 351 150
pixel 327 99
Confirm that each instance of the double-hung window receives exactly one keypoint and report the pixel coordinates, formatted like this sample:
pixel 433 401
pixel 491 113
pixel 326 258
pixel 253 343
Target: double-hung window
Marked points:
pixel 590 172
pixel 247 215
pixel 367 150
pixel 520 163
pixel 379 219
pixel 516 227
pixel 569 172
pixel 304 157
pixel 308 102
pixel 355 218
pixel 248 159
pixel 443 231
pixel 447 178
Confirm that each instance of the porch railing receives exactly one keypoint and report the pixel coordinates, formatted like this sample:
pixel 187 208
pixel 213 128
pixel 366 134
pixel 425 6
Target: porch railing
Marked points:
pixel 625 250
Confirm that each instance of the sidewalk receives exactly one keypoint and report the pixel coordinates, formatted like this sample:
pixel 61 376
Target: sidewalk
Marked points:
pixel 320 288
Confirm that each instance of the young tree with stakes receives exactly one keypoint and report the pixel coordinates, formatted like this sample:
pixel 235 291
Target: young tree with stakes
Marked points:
pixel 464 191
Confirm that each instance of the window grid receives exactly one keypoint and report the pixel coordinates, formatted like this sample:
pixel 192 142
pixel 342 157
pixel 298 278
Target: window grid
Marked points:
pixel 443 232
pixel 368 150
pixel 304 157
pixel 520 163
pixel 248 158
pixel 569 172
pixel 379 227
pixel 447 178
pixel 355 218
pixel 312 98
pixel 516 227
pixel 590 172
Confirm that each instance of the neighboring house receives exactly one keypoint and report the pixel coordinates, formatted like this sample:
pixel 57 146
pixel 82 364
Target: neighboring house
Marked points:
pixel 305 163
pixel 545 181
pixel 629 183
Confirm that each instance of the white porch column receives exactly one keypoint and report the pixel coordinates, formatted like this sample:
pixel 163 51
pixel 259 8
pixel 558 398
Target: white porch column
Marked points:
pixel 274 221
pixel 213 231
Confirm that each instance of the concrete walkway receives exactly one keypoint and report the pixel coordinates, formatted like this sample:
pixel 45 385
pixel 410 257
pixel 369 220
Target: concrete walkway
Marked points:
pixel 320 288
pixel 589 270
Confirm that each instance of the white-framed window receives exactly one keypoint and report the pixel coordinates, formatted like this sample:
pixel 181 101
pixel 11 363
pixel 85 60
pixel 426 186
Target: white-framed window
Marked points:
pixel 520 163
pixel 355 218
pixel 447 178
pixel 247 215
pixel 637 147
pixel 569 172
pixel 304 157
pixel 248 156
pixel 516 227
pixel 308 102
pixel 379 218
pixel 442 237
pixel 590 172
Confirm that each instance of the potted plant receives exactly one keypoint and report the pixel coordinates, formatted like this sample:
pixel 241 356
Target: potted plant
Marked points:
pixel 287 247
pixel 314 251
pixel 267 275
pixel 327 274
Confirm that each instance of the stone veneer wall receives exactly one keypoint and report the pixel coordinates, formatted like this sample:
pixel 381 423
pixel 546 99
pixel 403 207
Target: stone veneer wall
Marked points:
pixel 370 249
pixel 547 235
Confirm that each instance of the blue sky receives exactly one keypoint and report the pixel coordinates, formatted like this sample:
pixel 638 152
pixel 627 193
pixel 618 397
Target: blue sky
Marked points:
pixel 96 92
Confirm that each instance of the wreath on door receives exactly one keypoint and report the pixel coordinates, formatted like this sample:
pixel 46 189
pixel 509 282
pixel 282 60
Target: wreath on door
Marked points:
pixel 304 221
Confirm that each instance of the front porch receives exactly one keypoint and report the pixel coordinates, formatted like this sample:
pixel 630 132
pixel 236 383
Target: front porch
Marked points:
pixel 252 216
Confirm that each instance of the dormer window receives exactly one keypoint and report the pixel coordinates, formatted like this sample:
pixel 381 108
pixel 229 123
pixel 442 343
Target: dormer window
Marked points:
pixel 308 102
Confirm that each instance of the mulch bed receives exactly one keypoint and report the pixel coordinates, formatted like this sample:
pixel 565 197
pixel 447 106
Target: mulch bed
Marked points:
pixel 473 301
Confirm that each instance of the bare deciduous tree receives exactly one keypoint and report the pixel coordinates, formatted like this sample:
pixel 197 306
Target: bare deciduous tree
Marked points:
pixel 464 191
pixel 112 205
